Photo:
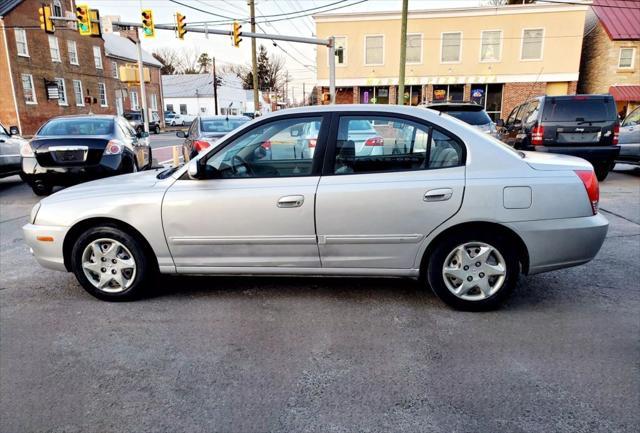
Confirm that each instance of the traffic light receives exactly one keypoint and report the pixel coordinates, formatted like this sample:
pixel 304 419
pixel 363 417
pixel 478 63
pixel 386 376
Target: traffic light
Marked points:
pixel 94 22
pixel 148 29
pixel 84 20
pixel 180 25
pixel 237 32
pixel 46 23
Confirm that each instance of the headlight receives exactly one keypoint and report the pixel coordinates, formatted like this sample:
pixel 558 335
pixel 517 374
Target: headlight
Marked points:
pixel 34 213
pixel 25 150
pixel 114 147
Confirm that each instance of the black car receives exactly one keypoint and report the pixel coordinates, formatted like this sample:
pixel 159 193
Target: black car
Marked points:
pixel 135 120
pixel 581 125
pixel 468 112
pixel 72 149
pixel 204 131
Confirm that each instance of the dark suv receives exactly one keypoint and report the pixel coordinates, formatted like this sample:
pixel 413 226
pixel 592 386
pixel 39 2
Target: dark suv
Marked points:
pixel 135 120
pixel 581 125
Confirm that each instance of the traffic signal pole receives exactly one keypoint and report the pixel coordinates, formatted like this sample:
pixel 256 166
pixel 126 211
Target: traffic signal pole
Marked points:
pixel 143 93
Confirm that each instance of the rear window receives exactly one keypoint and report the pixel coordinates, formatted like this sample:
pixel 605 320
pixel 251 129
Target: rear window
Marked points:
pixel 578 109
pixel 471 117
pixel 221 125
pixel 77 126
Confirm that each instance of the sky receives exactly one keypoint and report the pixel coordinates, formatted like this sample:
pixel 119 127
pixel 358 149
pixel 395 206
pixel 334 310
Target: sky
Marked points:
pixel 299 58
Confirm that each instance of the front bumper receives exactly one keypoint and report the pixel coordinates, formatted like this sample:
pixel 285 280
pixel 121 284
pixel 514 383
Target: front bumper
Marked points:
pixel 561 243
pixel 47 252
pixel 32 171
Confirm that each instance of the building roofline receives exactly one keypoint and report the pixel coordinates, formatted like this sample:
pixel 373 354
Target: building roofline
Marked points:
pixel 451 12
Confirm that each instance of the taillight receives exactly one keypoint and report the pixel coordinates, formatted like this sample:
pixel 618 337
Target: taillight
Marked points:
pixel 311 143
pixel 616 133
pixel 200 145
pixel 374 141
pixel 537 134
pixel 114 147
pixel 590 181
pixel 266 145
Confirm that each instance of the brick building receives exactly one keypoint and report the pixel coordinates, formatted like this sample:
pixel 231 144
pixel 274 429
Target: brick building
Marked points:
pixel 610 52
pixel 29 56
pixel 122 55
pixel 495 56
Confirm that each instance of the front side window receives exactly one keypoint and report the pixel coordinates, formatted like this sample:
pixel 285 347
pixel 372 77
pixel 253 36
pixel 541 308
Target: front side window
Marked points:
pixel 77 91
pixel 73 52
pixel 54 49
pixel 374 51
pixel 28 90
pixel 21 42
pixel 451 47
pixel 633 118
pixel 270 150
pixel 490 46
pixel 62 92
pixel 414 48
pixel 97 57
pixel 374 144
pixel 103 94
pixel 626 59
pixel 532 44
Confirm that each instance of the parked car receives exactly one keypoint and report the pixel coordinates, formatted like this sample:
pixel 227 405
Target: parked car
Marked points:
pixel 168 117
pixel 468 112
pixel 181 120
pixel 461 209
pixel 10 142
pixel 71 149
pixel 581 125
pixel 135 120
pixel 630 138
pixel 205 131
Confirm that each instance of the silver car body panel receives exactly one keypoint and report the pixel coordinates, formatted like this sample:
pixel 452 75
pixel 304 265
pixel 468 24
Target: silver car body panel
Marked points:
pixel 365 224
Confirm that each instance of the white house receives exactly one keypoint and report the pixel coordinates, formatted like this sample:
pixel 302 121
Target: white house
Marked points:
pixel 192 94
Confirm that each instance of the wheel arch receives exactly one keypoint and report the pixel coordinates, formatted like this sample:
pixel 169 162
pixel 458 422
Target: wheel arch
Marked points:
pixel 81 226
pixel 474 227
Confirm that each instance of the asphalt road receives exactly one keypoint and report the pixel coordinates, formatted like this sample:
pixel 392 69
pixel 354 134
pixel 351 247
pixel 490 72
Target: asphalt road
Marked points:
pixel 323 354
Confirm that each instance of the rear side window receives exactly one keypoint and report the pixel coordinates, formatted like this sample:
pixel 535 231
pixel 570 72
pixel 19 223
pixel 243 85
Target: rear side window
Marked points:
pixel 374 144
pixel 579 109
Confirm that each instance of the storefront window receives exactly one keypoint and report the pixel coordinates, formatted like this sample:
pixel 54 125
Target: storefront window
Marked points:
pixel 412 95
pixel 489 96
pixel 448 92
pixel 374 95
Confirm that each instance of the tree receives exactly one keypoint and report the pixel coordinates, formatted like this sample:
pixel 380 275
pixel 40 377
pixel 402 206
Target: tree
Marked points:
pixel 170 60
pixel 204 61
pixel 271 72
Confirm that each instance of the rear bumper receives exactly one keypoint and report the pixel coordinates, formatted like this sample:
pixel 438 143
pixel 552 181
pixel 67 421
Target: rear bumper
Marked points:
pixel 590 153
pixel 47 253
pixel 32 171
pixel 561 243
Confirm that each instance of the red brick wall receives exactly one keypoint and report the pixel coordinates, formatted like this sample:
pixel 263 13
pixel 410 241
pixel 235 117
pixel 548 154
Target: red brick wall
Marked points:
pixel 40 66
pixel 8 115
pixel 514 94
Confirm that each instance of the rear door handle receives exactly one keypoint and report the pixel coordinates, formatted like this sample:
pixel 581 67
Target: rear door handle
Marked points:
pixel 291 201
pixel 440 194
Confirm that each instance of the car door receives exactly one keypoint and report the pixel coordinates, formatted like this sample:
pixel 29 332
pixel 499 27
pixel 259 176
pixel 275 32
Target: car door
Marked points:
pixel 253 208
pixel 140 148
pixel 9 151
pixel 511 127
pixel 374 210
pixel 630 136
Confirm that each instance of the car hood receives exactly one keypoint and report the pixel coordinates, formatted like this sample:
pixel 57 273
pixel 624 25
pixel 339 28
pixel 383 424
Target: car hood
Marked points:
pixel 125 184
pixel 555 161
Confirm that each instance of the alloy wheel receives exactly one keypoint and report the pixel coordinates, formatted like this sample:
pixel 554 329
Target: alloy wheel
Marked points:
pixel 474 271
pixel 108 265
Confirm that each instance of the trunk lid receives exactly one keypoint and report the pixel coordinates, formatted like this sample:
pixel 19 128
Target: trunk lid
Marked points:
pixel 555 161
pixel 69 151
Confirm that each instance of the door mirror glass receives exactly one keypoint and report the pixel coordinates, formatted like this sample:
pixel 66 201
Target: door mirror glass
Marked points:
pixel 13 130
pixel 181 134
pixel 142 134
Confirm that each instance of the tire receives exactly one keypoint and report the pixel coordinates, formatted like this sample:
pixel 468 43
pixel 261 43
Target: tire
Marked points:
pixel 150 164
pixel 497 288
pixel 119 280
pixel 41 189
pixel 602 170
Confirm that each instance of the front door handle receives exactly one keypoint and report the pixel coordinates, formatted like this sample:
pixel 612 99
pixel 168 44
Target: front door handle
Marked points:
pixel 440 194
pixel 291 201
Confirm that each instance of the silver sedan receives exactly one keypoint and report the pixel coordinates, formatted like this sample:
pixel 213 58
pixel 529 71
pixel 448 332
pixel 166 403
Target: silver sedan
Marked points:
pixel 442 203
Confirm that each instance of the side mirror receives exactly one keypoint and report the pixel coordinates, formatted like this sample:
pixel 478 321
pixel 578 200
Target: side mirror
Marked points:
pixel 181 134
pixel 193 169
pixel 13 130
pixel 500 123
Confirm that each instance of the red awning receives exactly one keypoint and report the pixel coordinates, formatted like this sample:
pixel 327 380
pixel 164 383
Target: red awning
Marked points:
pixel 625 93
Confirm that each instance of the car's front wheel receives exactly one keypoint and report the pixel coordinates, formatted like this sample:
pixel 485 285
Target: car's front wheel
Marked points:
pixel 473 272
pixel 41 189
pixel 111 264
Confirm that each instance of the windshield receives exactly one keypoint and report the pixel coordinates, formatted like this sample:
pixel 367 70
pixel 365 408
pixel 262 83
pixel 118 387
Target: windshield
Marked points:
pixel 221 125
pixel 77 126
pixel 587 109
pixel 471 117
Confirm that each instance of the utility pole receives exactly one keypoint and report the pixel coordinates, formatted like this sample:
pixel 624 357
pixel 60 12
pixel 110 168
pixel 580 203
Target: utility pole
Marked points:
pixel 254 60
pixel 143 93
pixel 304 102
pixel 403 51
pixel 215 86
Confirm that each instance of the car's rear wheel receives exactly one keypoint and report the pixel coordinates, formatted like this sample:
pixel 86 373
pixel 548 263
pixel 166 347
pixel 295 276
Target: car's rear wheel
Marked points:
pixel 110 264
pixel 602 170
pixel 473 272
